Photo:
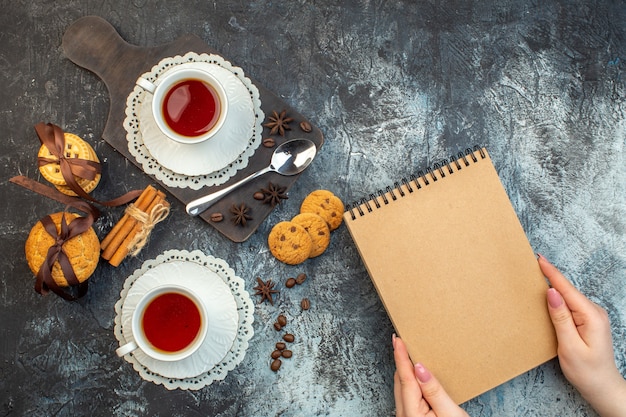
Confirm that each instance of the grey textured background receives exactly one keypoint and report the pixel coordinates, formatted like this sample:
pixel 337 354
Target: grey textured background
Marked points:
pixel 394 86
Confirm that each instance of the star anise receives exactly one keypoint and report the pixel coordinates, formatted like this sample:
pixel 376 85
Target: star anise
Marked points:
pixel 240 214
pixel 273 194
pixel 265 290
pixel 278 123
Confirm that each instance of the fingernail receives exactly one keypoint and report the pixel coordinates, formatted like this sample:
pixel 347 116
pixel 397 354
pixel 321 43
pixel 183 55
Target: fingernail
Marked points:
pixel 393 340
pixel 554 298
pixel 422 373
pixel 540 256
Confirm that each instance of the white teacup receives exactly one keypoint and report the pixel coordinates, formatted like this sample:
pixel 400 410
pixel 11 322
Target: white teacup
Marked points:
pixel 189 105
pixel 169 324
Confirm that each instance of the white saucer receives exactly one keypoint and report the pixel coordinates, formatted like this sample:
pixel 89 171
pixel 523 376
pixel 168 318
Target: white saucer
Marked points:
pixel 221 307
pixel 213 154
pixel 133 124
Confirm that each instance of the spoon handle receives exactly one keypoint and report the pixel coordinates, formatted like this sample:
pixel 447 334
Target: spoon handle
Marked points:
pixel 198 205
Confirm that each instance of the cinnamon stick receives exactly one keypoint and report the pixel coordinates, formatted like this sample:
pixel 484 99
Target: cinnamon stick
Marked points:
pixel 140 202
pixel 125 225
pixel 123 249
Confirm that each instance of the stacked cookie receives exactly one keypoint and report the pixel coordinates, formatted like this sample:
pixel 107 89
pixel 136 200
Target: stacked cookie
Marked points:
pixel 307 235
pixel 75 147
pixel 83 250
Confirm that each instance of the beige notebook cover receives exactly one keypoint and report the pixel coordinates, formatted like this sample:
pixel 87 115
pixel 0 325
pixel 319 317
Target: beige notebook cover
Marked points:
pixel 456 274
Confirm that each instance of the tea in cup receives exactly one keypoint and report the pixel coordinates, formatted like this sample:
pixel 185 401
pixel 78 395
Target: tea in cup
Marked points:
pixel 169 324
pixel 189 105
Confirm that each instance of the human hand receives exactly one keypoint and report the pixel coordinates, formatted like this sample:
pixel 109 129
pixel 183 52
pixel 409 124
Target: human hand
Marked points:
pixel 417 391
pixel 585 345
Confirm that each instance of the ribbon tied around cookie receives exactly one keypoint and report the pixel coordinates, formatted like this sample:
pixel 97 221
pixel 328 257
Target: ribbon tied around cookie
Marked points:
pixel 45 282
pixel 52 137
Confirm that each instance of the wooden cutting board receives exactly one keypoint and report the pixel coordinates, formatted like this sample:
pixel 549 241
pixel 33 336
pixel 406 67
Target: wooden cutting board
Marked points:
pixel 92 43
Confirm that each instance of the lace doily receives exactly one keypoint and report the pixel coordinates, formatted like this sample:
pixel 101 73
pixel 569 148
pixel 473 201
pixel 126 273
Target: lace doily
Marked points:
pixel 245 309
pixel 150 165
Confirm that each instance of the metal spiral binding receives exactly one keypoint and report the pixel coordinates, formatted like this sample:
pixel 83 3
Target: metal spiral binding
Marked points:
pixel 414 178
pixel 373 198
pixel 396 186
pixel 430 171
pixel 407 184
pixel 390 191
pixel 420 174
pixel 436 172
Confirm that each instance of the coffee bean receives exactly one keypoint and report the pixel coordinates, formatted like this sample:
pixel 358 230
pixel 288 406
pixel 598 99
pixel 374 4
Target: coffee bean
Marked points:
pixel 277 326
pixel 301 278
pixel 282 320
pixel 291 282
pixel 277 354
pixel 258 195
pixel 269 142
pixel 305 304
pixel 275 366
pixel 289 338
pixel 287 354
pixel 280 346
pixel 217 217
pixel 306 126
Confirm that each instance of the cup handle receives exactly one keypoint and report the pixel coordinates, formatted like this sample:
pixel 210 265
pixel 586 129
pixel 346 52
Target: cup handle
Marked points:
pixel 146 85
pixel 126 349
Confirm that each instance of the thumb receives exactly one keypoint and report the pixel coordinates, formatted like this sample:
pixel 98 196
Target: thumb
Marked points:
pixel 434 393
pixel 561 316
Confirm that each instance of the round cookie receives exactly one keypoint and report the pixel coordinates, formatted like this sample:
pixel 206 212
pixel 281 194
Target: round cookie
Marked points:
pixel 87 185
pixel 83 250
pixel 290 243
pixel 75 147
pixel 326 205
pixel 317 229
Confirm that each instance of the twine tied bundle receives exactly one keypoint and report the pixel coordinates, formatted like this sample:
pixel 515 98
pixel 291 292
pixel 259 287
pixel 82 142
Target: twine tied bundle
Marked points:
pixel 130 234
pixel 147 220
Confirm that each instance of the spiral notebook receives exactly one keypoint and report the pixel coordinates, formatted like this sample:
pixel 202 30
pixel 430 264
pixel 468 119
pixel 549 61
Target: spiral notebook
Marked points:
pixel 456 274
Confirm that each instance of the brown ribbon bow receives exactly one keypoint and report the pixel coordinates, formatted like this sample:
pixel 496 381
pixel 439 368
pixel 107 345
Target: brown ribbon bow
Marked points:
pixel 78 225
pixel 52 136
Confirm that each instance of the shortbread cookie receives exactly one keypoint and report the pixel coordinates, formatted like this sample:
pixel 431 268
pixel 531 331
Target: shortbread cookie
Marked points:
pixel 87 185
pixel 326 205
pixel 290 243
pixel 83 250
pixel 75 147
pixel 317 229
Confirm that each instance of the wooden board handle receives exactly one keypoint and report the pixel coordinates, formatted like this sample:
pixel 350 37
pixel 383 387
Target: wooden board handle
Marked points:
pixel 94 44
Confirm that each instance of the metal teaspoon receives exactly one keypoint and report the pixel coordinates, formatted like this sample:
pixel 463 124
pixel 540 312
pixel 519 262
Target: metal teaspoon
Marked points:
pixel 289 158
